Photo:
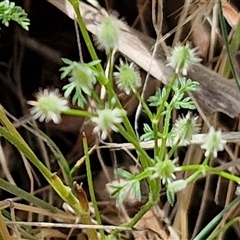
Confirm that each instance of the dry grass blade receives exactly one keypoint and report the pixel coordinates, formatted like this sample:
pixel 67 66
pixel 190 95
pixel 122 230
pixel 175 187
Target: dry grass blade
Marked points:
pixel 198 139
pixel 4 234
pixel 66 225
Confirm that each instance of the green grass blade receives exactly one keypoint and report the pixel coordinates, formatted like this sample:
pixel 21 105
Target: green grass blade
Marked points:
pixel 223 228
pixel 228 48
pixel 211 225
pixel 26 196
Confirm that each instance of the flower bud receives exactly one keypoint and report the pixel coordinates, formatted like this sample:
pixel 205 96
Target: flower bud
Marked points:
pixel 128 77
pixel 183 58
pixel 177 185
pixel 108 34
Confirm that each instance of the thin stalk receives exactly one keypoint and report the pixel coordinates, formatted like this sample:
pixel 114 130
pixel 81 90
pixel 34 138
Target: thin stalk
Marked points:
pixel 206 160
pixel 204 168
pixel 173 149
pixel 139 215
pixel 97 99
pixel 23 147
pixel 169 88
pixel 194 176
pixel 157 117
pixel 144 105
pixel 144 158
pixel 109 75
pixel 87 39
pixel 223 174
pixel 59 156
pixel 91 187
pixel 78 113
pixel 155 123
pixel 154 185
pixel 163 147
pixel 81 161
pixel 136 218
pixel 129 128
pixel 126 122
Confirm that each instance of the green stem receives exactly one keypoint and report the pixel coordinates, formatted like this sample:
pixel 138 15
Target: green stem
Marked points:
pixel 165 98
pixel 23 147
pixel 154 185
pixel 223 174
pixel 194 176
pixel 87 39
pixel 156 120
pixel 97 99
pixel 173 149
pixel 144 105
pixel 136 218
pixel 140 214
pixel 91 187
pixel 201 168
pixel 109 75
pixel 102 79
pixel 129 128
pixel 78 113
pixel 63 191
pixel 206 160
pixel 155 123
pixel 163 147
pixel 59 156
pixel 144 158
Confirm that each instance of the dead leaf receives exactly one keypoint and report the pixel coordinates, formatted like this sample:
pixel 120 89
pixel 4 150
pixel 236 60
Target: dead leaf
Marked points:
pixel 215 94
pixel 230 13
pixel 149 221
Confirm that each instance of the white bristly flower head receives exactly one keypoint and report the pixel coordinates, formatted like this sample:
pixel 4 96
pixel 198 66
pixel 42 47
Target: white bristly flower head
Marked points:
pixel 164 170
pixel 107 120
pixel 213 142
pixel 128 77
pixel 48 106
pixel 184 128
pixel 108 34
pixel 183 58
